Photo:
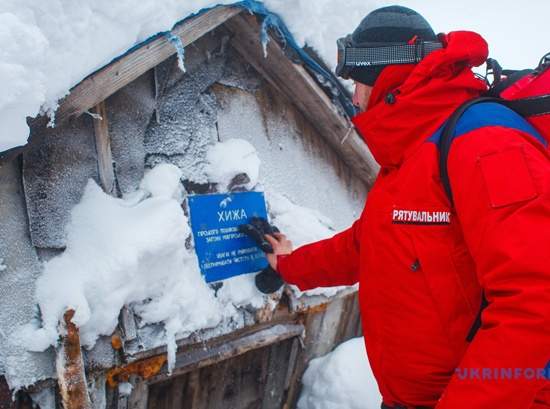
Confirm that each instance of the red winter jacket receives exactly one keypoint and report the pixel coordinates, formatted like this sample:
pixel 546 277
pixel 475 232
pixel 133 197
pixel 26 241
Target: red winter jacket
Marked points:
pixel 421 263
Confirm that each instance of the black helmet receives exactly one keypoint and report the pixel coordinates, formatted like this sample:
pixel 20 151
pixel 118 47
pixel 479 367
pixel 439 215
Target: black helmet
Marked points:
pixel 384 38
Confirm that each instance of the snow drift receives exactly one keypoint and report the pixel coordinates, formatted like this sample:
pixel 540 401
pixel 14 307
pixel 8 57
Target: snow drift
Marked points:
pixel 340 379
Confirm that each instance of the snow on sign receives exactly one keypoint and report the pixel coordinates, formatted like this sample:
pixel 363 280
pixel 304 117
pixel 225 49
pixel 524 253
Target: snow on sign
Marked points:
pixel 222 250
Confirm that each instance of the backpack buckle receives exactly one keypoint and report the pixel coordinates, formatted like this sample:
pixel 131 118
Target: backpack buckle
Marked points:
pixel 544 63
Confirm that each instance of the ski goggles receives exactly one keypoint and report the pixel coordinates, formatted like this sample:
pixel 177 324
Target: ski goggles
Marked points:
pixel 350 58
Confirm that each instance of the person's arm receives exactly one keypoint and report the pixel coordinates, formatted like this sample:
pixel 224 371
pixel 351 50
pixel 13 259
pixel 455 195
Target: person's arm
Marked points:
pixel 326 263
pixel 500 180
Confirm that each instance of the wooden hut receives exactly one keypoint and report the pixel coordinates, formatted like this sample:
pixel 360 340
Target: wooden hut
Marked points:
pixel 141 110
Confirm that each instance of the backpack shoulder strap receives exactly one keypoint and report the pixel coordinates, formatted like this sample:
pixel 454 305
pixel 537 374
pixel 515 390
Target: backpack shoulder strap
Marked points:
pixel 447 137
pixel 475 114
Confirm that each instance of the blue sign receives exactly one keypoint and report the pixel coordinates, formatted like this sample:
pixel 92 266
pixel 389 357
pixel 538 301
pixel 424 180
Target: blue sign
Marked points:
pixel 222 250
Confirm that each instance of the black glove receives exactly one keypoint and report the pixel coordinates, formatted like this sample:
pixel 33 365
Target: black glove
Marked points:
pixel 256 230
pixel 268 280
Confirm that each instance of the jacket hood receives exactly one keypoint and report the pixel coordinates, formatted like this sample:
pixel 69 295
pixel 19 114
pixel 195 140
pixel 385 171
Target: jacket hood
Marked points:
pixel 410 102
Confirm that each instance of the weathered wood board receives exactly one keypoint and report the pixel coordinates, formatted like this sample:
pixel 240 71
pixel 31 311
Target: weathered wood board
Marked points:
pixel 56 168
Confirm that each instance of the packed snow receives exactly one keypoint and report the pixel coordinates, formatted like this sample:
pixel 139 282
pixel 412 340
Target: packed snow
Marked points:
pixel 132 251
pixel 228 159
pixel 123 251
pixel 340 379
pixel 125 388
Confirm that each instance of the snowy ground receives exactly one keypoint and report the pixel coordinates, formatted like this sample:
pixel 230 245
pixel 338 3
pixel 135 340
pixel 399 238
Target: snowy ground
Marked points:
pixel 340 379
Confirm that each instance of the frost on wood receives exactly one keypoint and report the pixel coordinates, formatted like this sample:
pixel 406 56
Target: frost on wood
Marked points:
pixel 129 111
pixel 21 269
pixel 56 167
pixel 187 120
pixel 295 162
pixel 45 398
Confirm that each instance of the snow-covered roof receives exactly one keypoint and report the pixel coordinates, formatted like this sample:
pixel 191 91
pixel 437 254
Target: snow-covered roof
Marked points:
pixel 49 47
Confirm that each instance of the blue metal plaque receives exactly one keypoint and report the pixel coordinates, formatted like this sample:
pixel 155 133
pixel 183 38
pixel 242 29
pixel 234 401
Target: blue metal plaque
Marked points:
pixel 222 250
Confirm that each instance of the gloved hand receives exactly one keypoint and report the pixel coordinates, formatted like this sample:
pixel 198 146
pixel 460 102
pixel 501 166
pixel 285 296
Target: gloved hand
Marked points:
pixel 256 230
pixel 268 280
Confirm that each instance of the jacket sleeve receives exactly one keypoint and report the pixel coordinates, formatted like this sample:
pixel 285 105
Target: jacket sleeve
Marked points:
pixel 501 185
pixel 326 263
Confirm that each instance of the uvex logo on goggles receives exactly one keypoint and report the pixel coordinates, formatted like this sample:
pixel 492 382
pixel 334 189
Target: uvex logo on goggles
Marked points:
pixel 350 57
pixel 402 216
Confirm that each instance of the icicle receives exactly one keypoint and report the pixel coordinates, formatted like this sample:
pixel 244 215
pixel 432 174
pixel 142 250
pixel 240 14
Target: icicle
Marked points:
pixel 270 21
pixel 180 49
pixel 94 115
pixel 264 37
pixel 171 348
pixel 51 115
pixel 2 265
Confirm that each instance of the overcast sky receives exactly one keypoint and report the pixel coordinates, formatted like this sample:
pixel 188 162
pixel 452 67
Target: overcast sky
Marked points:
pixel 518 32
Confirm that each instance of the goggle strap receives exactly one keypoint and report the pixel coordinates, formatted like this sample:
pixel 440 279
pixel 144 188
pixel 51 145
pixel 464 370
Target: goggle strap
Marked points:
pixel 394 54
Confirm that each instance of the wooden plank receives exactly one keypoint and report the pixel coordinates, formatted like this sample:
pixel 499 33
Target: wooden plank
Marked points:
pixel 279 363
pixel 70 367
pixel 140 395
pixel 305 302
pixel 203 355
pixel 208 338
pixel 177 394
pixel 292 362
pixel 301 90
pixel 103 146
pixel 6 401
pixel 127 322
pixel 105 82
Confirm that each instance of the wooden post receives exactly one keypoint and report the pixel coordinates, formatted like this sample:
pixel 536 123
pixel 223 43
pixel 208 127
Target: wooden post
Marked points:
pixel 70 367
pixel 103 147
pixel 6 401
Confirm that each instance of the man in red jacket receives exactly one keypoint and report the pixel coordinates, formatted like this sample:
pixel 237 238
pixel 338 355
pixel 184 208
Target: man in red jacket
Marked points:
pixel 422 262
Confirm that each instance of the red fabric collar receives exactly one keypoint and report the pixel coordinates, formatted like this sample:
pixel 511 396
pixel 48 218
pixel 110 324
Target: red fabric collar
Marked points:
pixel 425 96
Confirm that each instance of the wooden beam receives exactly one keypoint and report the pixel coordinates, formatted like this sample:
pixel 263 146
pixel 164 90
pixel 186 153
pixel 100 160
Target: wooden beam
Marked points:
pixel 105 82
pixel 201 355
pixel 70 367
pixel 306 303
pixel 6 401
pixel 103 147
pixel 301 90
